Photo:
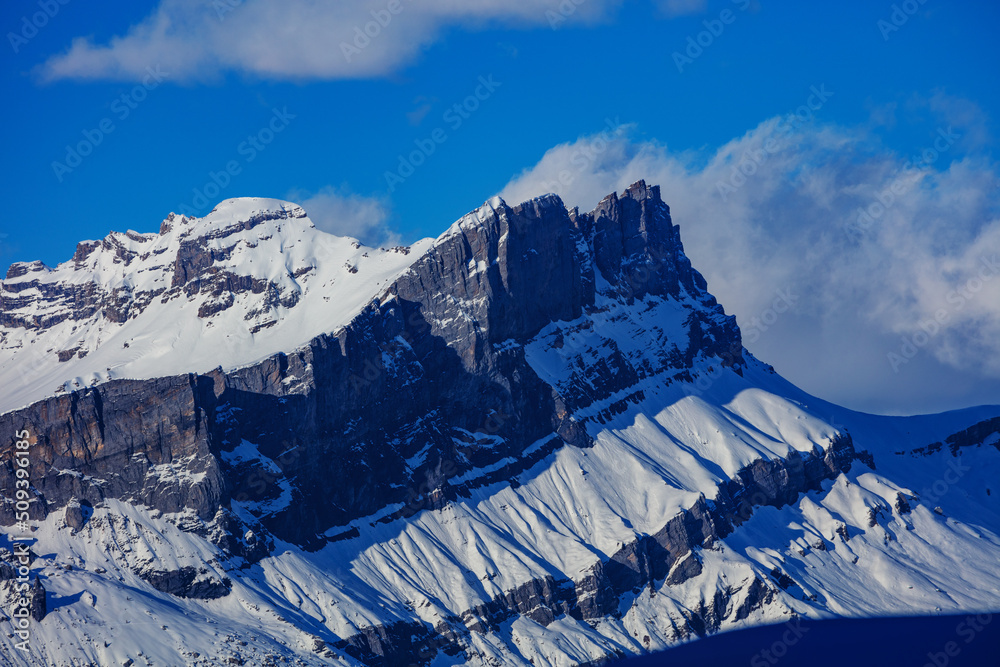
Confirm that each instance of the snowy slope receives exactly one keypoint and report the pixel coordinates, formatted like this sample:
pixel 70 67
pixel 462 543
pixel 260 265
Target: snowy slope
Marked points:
pixel 304 282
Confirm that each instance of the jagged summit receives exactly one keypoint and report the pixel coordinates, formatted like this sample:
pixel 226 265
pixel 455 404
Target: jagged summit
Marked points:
pixel 240 212
pixel 229 216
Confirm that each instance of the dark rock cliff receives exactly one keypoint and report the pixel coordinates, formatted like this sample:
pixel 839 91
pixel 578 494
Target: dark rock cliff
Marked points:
pixel 147 442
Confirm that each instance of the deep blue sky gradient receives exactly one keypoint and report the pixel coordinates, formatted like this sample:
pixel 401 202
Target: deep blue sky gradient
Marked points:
pixel 556 86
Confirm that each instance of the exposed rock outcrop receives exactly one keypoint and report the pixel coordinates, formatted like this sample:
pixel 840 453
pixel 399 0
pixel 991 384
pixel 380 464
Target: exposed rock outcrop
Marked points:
pixel 38 605
pixel 77 514
pixel 187 582
pixel 147 442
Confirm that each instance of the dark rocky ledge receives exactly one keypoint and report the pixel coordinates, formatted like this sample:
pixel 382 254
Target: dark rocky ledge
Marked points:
pixel 187 582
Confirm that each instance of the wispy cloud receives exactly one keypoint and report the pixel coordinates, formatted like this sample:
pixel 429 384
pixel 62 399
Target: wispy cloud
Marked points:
pixel 673 8
pixel 421 107
pixel 344 213
pixel 777 209
pixel 292 39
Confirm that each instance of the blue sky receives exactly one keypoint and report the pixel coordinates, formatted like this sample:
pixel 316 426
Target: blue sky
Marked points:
pixel 229 66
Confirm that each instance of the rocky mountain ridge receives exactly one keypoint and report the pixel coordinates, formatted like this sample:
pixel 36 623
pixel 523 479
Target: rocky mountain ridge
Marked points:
pixel 449 328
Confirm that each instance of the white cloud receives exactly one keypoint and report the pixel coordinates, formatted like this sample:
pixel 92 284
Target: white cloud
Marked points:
pixel 791 225
pixel 294 39
pixel 340 212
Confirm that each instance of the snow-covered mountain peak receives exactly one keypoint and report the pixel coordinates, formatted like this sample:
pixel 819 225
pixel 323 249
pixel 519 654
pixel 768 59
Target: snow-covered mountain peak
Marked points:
pixel 200 293
pixel 238 213
pixel 97 259
pixel 474 218
pixel 18 269
pixel 243 208
pixel 255 277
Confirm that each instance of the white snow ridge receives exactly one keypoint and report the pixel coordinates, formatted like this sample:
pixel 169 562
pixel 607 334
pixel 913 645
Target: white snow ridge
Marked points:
pixel 315 282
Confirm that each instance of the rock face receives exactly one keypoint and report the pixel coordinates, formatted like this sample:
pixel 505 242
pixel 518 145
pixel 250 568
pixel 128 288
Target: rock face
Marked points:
pixel 636 246
pixel 142 441
pixel 778 482
pixel 77 514
pixel 38 605
pixel 987 431
pixel 187 582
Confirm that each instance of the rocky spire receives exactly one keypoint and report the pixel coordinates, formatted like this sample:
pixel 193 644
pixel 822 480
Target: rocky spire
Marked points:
pixel 38 606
